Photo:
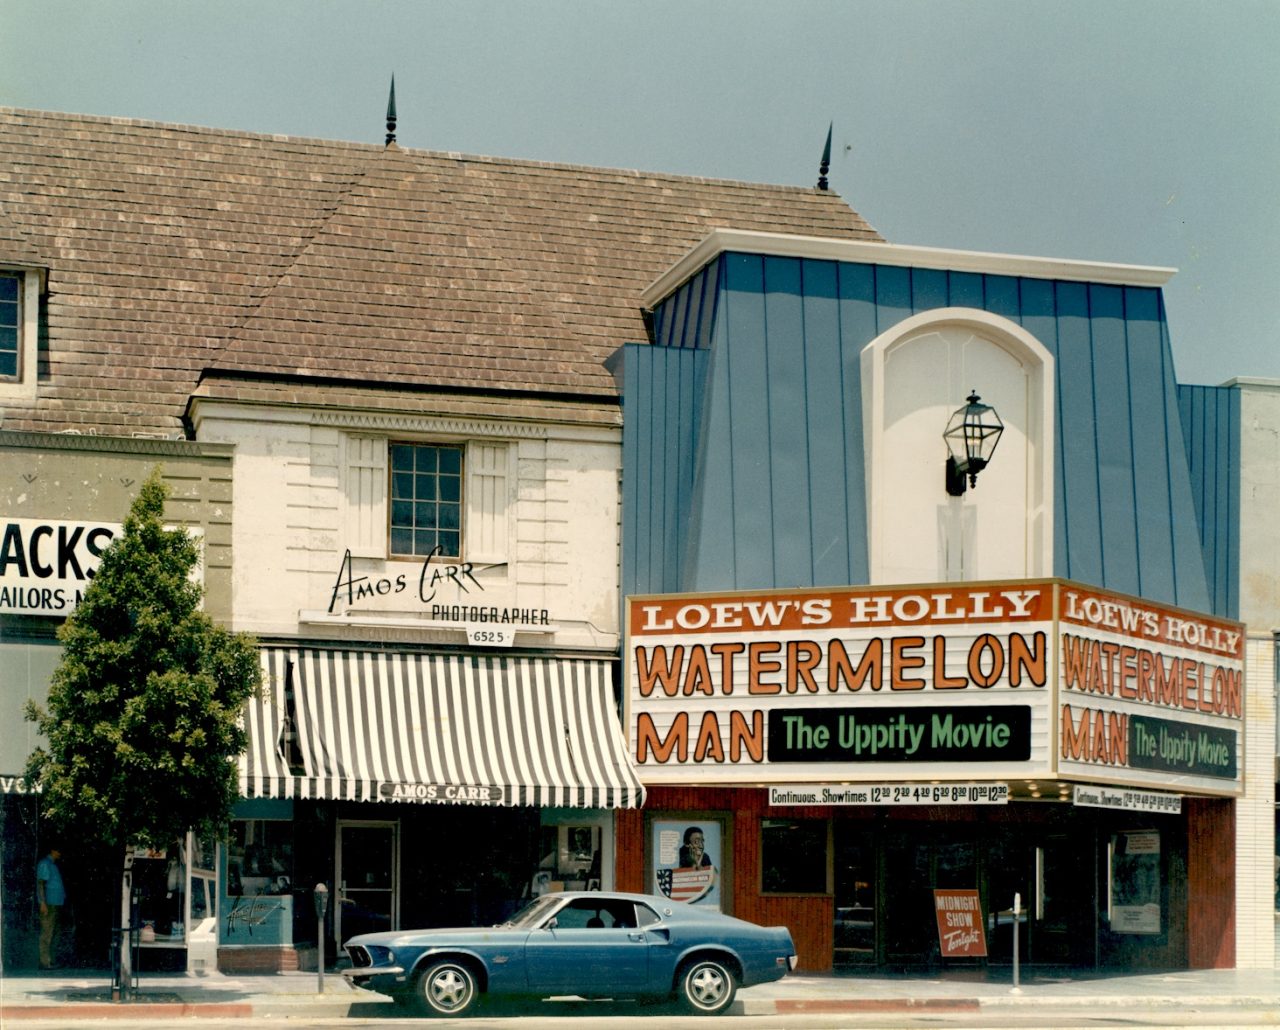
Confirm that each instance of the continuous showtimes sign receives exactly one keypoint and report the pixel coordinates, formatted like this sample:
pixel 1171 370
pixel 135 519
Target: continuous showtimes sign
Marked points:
pixel 1027 679
pixel 890 794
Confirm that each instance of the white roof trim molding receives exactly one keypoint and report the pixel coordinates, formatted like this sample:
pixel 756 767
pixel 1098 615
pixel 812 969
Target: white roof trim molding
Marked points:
pixel 869 252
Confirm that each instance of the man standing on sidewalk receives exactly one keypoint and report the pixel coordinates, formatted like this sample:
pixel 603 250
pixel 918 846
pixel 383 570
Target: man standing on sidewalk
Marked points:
pixel 52 895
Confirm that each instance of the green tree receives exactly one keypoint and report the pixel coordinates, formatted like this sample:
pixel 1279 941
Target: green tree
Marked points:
pixel 143 714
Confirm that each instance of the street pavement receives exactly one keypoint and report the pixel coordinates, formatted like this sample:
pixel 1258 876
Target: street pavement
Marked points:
pixel 86 994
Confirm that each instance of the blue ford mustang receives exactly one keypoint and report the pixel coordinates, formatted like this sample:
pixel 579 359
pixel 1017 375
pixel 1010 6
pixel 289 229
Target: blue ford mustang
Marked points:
pixel 591 944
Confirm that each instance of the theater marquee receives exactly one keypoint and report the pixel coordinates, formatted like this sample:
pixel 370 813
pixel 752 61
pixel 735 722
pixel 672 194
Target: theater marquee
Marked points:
pixel 1027 679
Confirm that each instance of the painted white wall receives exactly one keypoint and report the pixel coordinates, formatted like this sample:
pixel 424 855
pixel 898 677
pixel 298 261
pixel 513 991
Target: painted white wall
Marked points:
pixel 303 508
pixel 914 377
pixel 1255 813
pixel 1259 502
pixel 1256 944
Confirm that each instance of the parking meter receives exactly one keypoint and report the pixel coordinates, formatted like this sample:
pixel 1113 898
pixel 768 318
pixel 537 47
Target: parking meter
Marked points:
pixel 322 906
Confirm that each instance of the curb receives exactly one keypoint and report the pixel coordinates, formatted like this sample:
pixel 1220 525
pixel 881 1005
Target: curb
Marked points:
pixel 169 1010
pixel 1148 1003
pixel 794 1006
pixel 142 1010
pixel 317 1006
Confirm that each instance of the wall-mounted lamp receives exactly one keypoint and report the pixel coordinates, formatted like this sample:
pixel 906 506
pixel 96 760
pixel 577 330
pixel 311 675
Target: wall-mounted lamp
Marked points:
pixel 972 434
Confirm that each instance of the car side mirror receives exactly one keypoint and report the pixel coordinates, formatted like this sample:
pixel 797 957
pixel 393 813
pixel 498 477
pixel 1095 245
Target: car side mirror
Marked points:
pixel 551 924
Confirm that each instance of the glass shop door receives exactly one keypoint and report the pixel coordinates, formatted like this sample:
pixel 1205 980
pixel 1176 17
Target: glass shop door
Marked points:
pixel 368 878
pixel 917 862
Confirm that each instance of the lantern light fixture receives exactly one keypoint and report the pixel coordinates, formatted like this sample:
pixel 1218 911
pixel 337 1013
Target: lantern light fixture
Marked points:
pixel 971 436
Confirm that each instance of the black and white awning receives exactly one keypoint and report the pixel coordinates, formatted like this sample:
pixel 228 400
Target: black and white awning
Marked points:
pixel 387 726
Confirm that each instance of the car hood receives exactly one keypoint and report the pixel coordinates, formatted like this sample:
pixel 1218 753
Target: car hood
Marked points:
pixel 425 938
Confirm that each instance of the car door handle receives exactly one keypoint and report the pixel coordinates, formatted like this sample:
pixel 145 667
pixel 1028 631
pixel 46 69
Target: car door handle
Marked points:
pixel 635 937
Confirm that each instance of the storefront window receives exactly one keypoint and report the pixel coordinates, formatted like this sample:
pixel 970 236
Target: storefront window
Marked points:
pixel 159 882
pixel 793 856
pixel 1135 878
pixel 570 858
pixel 259 858
pixel 204 880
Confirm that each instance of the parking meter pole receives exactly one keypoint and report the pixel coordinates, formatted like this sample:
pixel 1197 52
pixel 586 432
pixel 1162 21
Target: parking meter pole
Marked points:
pixel 322 904
pixel 1017 914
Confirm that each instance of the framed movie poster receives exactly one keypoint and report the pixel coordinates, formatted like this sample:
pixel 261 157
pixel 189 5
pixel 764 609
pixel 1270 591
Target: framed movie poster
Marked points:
pixel 1134 875
pixel 688 857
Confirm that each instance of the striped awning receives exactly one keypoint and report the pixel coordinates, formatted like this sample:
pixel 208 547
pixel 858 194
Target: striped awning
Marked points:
pixel 387 726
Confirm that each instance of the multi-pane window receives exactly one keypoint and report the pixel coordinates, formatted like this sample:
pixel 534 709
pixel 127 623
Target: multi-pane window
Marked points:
pixel 10 290
pixel 426 499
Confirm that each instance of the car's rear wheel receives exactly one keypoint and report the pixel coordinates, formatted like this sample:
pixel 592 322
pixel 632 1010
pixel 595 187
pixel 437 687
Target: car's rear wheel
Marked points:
pixel 705 987
pixel 448 988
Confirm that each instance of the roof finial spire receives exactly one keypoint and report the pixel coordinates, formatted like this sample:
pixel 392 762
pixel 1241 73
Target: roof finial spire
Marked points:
pixel 391 113
pixel 825 166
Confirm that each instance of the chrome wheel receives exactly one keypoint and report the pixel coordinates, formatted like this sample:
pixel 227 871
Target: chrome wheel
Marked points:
pixel 707 987
pixel 448 989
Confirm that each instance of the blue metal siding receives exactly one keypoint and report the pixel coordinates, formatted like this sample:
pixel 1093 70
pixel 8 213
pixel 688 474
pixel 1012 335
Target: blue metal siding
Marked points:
pixel 657 454
pixel 1077 498
pixel 1151 426
pixel 785 345
pixel 750 456
pixel 685 318
pixel 1210 417
pixel 829 384
pixel 1113 425
pixel 713 531
pixel 775 493
pixel 859 320
pixel 1000 296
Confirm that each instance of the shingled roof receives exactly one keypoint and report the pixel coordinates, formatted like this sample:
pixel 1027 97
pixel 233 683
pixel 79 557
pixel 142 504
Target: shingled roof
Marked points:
pixel 177 252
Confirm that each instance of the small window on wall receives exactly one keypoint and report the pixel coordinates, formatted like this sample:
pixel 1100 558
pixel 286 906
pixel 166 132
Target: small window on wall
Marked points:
pixel 10 325
pixel 793 856
pixel 426 500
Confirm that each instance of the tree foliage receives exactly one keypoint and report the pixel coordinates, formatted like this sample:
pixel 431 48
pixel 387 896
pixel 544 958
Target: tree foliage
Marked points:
pixel 143 714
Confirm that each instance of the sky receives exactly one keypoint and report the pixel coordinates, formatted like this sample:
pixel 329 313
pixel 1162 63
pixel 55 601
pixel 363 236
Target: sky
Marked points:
pixel 1139 132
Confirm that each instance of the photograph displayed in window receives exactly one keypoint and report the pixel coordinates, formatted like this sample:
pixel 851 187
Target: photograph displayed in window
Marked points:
pixel 793 856
pixel 426 500
pixel 10 290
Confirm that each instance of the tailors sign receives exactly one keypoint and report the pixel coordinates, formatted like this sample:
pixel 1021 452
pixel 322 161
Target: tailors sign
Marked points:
pixel 46 564
pixel 996 680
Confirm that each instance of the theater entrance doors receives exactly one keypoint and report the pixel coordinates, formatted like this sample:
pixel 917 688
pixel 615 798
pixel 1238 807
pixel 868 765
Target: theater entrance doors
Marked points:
pixel 885 876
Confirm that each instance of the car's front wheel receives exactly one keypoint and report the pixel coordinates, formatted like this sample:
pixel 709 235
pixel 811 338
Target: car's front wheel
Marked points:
pixel 705 986
pixel 448 989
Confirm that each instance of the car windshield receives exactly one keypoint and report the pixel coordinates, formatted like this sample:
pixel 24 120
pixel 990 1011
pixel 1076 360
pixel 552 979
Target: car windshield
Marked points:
pixel 533 913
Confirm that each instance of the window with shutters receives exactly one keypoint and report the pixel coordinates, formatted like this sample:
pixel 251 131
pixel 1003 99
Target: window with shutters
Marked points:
pixel 410 499
pixel 364 495
pixel 488 476
pixel 426 500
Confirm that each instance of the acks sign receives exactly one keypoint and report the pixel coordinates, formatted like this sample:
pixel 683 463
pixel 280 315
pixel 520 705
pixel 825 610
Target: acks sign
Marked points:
pixel 45 564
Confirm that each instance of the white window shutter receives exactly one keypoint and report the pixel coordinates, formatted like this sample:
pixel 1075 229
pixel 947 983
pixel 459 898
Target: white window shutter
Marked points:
pixel 489 479
pixel 364 495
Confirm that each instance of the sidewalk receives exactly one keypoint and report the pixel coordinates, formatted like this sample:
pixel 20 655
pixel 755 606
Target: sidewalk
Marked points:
pixel 168 996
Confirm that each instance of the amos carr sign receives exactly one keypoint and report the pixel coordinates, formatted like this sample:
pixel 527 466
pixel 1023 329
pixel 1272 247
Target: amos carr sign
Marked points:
pixel 45 564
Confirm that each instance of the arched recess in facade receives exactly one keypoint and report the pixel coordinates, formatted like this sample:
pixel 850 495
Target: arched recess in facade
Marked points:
pixel 914 375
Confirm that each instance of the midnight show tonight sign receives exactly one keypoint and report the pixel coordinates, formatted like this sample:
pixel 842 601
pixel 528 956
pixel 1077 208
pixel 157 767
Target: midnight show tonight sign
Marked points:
pixel 1026 679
